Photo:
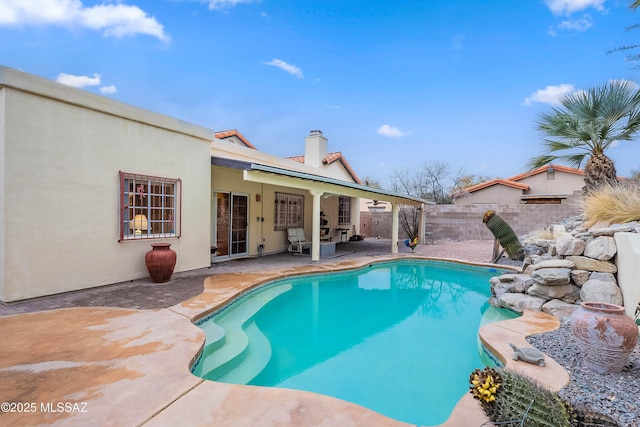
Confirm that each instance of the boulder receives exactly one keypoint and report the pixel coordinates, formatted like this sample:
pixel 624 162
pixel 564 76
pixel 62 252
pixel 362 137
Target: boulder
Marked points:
pixel 605 277
pixel 601 291
pixel 525 279
pixel 559 309
pixel 568 245
pixel 520 302
pixel 558 230
pixel 583 236
pixel 554 292
pixel 602 230
pixel 501 288
pixel 553 263
pixel 552 276
pixel 602 248
pixel 585 263
pixel 579 277
pixel 534 250
pixel 506 278
pixel 541 243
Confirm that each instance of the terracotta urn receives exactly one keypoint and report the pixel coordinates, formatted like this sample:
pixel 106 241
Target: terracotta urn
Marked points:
pixel 605 335
pixel 160 261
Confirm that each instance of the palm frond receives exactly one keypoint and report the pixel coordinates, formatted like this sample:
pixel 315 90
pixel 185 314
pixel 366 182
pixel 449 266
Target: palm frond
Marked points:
pixel 587 122
pixel 540 161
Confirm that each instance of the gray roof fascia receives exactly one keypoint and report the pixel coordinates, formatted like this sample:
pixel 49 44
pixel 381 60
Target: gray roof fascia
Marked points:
pixel 230 163
pixel 334 181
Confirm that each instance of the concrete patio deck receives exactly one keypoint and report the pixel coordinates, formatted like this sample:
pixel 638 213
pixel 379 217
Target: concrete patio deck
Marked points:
pixel 120 355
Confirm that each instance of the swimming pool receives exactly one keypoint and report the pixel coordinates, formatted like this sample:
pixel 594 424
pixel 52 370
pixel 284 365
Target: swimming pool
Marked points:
pixel 397 337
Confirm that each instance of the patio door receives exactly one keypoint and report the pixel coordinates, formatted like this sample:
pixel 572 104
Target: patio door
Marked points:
pixel 230 224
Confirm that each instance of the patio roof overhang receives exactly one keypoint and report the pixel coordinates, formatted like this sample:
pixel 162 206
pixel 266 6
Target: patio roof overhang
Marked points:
pixel 256 172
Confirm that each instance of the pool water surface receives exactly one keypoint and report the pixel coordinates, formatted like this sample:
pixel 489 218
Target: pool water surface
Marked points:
pixel 400 338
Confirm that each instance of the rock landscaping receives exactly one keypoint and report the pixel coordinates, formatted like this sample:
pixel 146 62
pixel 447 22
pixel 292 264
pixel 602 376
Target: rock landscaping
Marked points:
pixel 565 264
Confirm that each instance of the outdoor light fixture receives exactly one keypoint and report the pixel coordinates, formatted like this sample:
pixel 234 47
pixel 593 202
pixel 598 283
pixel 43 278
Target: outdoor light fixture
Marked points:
pixel 138 224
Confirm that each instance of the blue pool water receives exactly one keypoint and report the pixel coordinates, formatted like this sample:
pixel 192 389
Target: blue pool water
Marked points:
pixel 400 338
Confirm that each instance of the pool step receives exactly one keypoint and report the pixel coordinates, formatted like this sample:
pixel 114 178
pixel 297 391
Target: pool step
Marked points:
pixel 253 359
pixel 238 350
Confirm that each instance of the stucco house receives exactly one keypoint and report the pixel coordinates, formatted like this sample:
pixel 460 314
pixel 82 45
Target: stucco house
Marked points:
pixel 87 183
pixel 549 184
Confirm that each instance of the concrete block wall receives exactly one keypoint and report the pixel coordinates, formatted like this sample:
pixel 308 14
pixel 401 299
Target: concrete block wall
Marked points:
pixel 460 222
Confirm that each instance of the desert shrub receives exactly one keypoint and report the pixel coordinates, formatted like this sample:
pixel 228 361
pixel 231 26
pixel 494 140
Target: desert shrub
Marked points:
pixel 543 234
pixel 614 204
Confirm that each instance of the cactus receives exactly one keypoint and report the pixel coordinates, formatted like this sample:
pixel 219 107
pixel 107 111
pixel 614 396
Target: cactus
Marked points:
pixel 505 235
pixel 510 398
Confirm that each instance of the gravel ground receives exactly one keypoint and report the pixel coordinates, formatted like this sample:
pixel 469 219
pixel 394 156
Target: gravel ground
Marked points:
pixel 616 395
pixel 469 250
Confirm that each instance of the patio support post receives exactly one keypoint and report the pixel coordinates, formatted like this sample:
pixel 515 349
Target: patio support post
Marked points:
pixel 421 225
pixel 394 227
pixel 315 226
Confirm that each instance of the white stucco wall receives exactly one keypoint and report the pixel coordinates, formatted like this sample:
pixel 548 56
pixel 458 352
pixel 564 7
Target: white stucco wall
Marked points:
pixel 628 262
pixel 62 149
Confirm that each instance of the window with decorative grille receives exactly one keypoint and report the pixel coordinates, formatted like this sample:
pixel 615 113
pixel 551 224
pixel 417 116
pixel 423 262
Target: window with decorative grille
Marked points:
pixel 149 207
pixel 289 211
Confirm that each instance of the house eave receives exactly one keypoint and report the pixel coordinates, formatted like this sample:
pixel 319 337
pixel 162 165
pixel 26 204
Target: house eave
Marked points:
pixel 295 179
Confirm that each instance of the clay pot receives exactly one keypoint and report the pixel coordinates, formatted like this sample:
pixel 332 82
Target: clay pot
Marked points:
pixel 605 335
pixel 160 261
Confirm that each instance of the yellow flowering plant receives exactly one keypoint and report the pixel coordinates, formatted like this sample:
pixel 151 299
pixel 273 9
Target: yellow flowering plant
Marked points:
pixel 485 384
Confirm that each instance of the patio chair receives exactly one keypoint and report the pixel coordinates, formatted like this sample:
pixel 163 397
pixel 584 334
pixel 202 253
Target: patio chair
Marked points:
pixel 297 240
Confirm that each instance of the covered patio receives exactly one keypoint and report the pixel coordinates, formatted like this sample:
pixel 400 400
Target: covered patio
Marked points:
pixel 322 187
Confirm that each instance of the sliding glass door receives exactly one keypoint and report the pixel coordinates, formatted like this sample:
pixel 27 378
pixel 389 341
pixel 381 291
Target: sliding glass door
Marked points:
pixel 230 224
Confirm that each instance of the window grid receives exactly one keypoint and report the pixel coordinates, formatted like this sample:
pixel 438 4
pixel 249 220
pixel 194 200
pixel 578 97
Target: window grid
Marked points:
pixel 149 207
pixel 344 210
pixel 289 211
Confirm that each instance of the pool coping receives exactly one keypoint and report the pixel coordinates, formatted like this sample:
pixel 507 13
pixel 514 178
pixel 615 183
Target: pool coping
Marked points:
pixel 144 371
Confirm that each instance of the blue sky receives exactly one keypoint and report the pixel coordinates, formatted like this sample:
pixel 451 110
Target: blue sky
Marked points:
pixel 392 84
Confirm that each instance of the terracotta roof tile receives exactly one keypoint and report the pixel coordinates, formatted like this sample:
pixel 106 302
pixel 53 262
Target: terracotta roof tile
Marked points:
pixel 545 168
pixel 513 181
pixel 497 181
pixel 229 133
pixel 299 159
pixel 331 158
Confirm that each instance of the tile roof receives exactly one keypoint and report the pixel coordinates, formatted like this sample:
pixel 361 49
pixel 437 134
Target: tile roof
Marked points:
pixel 545 168
pixel 497 181
pixel 331 158
pixel 513 181
pixel 231 133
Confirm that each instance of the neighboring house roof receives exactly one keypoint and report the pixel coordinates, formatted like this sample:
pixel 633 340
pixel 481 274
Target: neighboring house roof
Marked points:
pixel 497 181
pixel 545 168
pixel 329 159
pixel 234 133
pixel 513 181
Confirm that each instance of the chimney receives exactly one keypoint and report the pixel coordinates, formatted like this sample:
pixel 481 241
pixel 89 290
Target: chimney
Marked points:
pixel 315 148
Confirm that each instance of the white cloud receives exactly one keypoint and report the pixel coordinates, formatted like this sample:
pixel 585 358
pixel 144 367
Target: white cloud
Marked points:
pixel 567 7
pixel 391 132
pixel 291 69
pixel 549 95
pixel 581 24
pixel 226 4
pixel 78 81
pixel 108 90
pixel 116 20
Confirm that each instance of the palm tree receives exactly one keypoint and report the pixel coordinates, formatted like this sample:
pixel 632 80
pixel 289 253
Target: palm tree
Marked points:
pixel 586 124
